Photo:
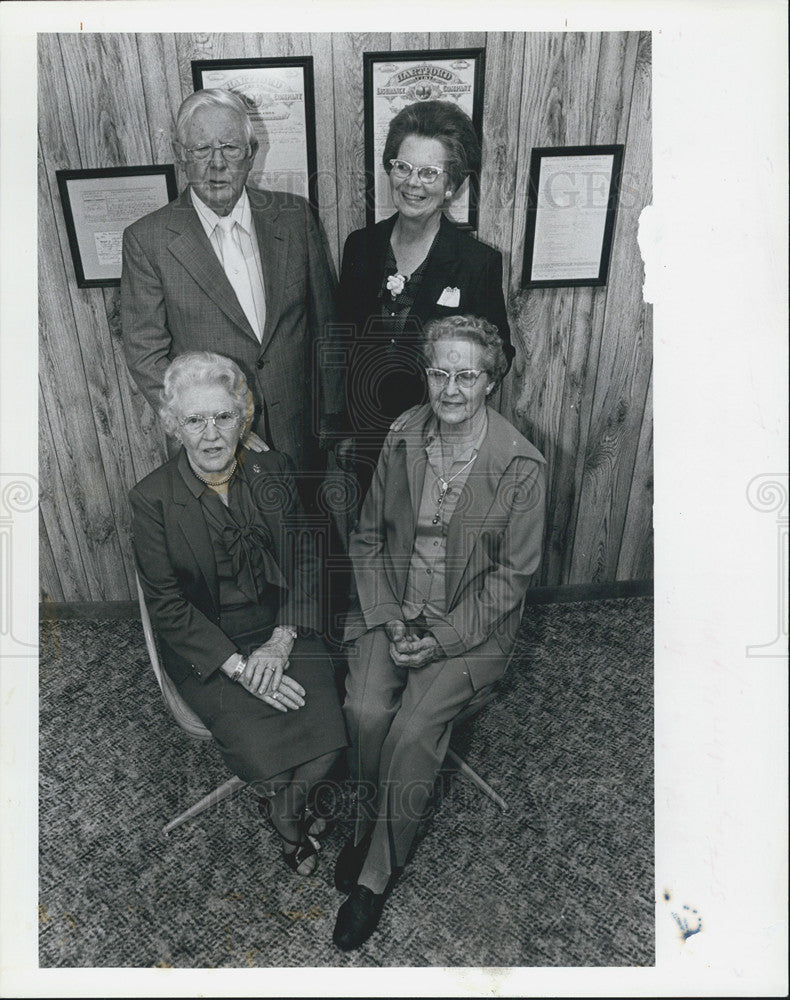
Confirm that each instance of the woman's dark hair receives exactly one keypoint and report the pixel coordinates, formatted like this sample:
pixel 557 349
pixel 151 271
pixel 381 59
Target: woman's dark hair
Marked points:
pixel 442 121
pixel 477 331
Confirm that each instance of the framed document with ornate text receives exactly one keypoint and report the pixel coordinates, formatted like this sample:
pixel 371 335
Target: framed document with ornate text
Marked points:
pixel 572 204
pixel 99 204
pixel 394 79
pixel 281 106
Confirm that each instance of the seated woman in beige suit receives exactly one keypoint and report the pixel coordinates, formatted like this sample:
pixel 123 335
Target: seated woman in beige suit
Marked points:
pixel 229 576
pixel 448 537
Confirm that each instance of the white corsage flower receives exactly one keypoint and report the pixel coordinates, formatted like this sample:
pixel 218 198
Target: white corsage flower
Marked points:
pixel 395 284
pixel 450 297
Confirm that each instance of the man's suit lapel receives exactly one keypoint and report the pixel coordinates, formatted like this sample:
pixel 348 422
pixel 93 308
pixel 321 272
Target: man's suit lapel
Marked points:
pixel 192 249
pixel 273 240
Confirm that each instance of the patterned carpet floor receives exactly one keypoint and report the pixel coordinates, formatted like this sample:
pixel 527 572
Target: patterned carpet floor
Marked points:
pixel 563 878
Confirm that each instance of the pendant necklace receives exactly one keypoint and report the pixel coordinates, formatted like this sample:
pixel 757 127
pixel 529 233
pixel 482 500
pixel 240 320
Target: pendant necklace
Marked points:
pixel 445 488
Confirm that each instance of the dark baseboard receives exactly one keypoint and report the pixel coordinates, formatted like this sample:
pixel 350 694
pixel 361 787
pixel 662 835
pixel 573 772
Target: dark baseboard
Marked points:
pixel 107 610
pixel 96 610
pixel 590 592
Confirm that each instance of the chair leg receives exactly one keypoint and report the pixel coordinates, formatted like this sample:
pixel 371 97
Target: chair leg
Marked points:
pixel 231 786
pixel 475 778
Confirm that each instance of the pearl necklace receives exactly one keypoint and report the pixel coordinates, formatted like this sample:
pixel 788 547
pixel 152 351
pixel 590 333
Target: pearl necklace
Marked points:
pixel 218 482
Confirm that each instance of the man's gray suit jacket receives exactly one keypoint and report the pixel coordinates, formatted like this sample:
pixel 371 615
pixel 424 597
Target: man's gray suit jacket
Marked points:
pixel 175 297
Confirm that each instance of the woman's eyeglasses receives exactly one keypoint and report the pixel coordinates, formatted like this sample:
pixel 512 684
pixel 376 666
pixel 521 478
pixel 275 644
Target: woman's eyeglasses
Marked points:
pixel 196 423
pixel 465 379
pixel 427 174
pixel 230 152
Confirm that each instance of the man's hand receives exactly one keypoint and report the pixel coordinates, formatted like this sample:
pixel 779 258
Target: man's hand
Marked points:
pixel 254 443
pixel 344 454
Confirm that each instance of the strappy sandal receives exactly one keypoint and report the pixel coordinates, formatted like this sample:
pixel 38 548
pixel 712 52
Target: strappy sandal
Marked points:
pixel 306 848
pixel 311 820
pixel 312 823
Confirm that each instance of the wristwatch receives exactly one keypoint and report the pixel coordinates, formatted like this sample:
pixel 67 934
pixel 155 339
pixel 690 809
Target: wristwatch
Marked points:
pixel 240 666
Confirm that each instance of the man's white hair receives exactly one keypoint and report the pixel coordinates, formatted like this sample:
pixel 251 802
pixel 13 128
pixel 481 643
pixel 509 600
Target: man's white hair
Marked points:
pixel 212 98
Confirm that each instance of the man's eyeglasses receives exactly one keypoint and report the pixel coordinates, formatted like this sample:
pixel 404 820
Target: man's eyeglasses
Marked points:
pixel 230 152
pixel 196 423
pixel 427 174
pixel 465 379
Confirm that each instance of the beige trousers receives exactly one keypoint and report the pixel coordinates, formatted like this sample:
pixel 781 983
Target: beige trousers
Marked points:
pixel 399 723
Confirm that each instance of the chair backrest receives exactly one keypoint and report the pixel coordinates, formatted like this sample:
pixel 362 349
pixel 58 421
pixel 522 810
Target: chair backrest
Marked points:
pixel 176 705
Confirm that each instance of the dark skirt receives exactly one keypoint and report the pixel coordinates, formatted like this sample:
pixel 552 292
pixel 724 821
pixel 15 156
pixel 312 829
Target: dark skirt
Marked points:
pixel 257 741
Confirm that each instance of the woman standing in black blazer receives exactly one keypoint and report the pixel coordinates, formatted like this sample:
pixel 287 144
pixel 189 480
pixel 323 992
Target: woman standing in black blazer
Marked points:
pixel 415 266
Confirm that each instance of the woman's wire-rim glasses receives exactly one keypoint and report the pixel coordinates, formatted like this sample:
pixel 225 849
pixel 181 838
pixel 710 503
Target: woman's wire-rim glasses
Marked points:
pixel 428 173
pixel 465 379
pixel 196 423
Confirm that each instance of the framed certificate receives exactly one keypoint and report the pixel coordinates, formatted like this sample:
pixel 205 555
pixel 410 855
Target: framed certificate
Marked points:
pixel 99 204
pixel 572 203
pixel 394 79
pixel 281 106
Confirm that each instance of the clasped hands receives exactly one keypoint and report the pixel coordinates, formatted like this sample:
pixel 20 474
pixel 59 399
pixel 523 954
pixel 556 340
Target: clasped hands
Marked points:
pixel 264 675
pixel 410 650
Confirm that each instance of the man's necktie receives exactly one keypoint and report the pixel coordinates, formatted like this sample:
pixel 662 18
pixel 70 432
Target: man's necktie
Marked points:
pixel 248 292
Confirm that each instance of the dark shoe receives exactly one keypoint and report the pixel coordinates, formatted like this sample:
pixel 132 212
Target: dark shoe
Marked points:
pixel 358 917
pixel 349 864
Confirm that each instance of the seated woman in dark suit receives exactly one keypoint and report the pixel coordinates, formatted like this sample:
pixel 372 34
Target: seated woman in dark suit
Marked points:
pixel 411 268
pixel 449 534
pixel 229 578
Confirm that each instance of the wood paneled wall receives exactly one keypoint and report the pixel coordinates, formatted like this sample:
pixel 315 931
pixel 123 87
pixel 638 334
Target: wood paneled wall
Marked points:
pixel 581 386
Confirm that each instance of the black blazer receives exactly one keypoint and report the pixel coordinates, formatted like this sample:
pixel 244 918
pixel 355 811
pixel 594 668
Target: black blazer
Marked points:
pixel 457 260
pixel 178 571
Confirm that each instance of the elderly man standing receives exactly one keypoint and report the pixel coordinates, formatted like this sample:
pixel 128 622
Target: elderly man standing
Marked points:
pixel 238 271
